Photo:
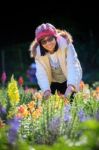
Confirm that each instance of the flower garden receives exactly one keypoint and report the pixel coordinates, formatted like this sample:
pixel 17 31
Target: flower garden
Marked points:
pixel 30 122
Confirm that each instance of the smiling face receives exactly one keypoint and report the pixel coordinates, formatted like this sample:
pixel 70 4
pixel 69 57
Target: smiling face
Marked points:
pixel 49 43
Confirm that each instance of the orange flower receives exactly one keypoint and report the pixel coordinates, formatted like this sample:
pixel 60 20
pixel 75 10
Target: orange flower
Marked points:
pixel 82 85
pixel 31 106
pixel 97 89
pixel 1 123
pixel 37 113
pixel 22 111
pixel 94 94
pixel 38 95
pixel 66 101
pixel 30 90
pixel 19 115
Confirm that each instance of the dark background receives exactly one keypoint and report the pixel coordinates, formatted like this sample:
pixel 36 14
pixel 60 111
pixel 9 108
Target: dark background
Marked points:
pixel 18 23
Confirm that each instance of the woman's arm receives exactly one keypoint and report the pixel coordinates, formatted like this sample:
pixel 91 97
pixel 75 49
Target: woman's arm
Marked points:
pixel 74 70
pixel 42 78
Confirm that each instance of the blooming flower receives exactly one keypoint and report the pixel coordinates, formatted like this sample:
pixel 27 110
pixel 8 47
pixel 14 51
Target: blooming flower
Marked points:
pixel 37 113
pixel 2 110
pixel 14 126
pixel 1 123
pixel 22 111
pixel 97 115
pixel 38 95
pixel 67 115
pixel 54 125
pixel 20 81
pixel 31 106
pixel 30 90
pixel 81 115
pixel 3 77
pixel 67 108
pixel 82 85
pixel 13 92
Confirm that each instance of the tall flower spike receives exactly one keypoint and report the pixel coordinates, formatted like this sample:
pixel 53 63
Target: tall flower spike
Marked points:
pixel 20 81
pixel 13 92
pixel 3 77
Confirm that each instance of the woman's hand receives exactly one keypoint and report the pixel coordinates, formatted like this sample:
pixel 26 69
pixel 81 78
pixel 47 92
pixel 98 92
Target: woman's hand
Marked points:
pixel 70 89
pixel 47 94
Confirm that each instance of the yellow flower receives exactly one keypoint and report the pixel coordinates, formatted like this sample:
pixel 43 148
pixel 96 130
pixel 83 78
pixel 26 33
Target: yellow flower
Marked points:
pixel 13 92
pixel 58 102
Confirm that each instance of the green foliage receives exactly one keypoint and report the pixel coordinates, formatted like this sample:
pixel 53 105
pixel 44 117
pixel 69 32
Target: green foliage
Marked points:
pixel 88 141
pixel 51 124
pixel 5 145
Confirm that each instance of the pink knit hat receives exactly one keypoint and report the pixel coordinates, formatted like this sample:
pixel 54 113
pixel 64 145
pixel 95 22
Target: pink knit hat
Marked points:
pixel 43 30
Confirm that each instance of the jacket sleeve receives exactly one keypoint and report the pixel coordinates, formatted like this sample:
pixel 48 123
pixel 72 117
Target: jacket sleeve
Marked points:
pixel 42 78
pixel 74 70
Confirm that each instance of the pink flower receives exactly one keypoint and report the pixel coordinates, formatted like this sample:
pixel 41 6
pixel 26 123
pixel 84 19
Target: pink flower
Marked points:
pixel 3 77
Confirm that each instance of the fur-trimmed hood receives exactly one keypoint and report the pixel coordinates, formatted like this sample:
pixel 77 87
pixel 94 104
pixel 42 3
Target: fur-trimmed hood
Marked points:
pixel 63 39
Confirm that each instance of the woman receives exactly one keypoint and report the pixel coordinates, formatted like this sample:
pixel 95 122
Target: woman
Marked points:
pixel 57 64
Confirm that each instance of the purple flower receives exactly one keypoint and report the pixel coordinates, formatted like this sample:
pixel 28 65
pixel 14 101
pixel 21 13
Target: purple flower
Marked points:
pixel 97 115
pixel 14 123
pixel 2 110
pixel 67 108
pixel 54 125
pixel 81 115
pixel 67 117
pixel 12 136
pixel 14 126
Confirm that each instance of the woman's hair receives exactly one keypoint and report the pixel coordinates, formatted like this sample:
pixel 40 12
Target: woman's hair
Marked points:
pixel 44 51
pixel 66 35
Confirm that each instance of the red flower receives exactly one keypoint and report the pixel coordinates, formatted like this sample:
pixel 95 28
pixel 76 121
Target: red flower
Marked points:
pixel 20 81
